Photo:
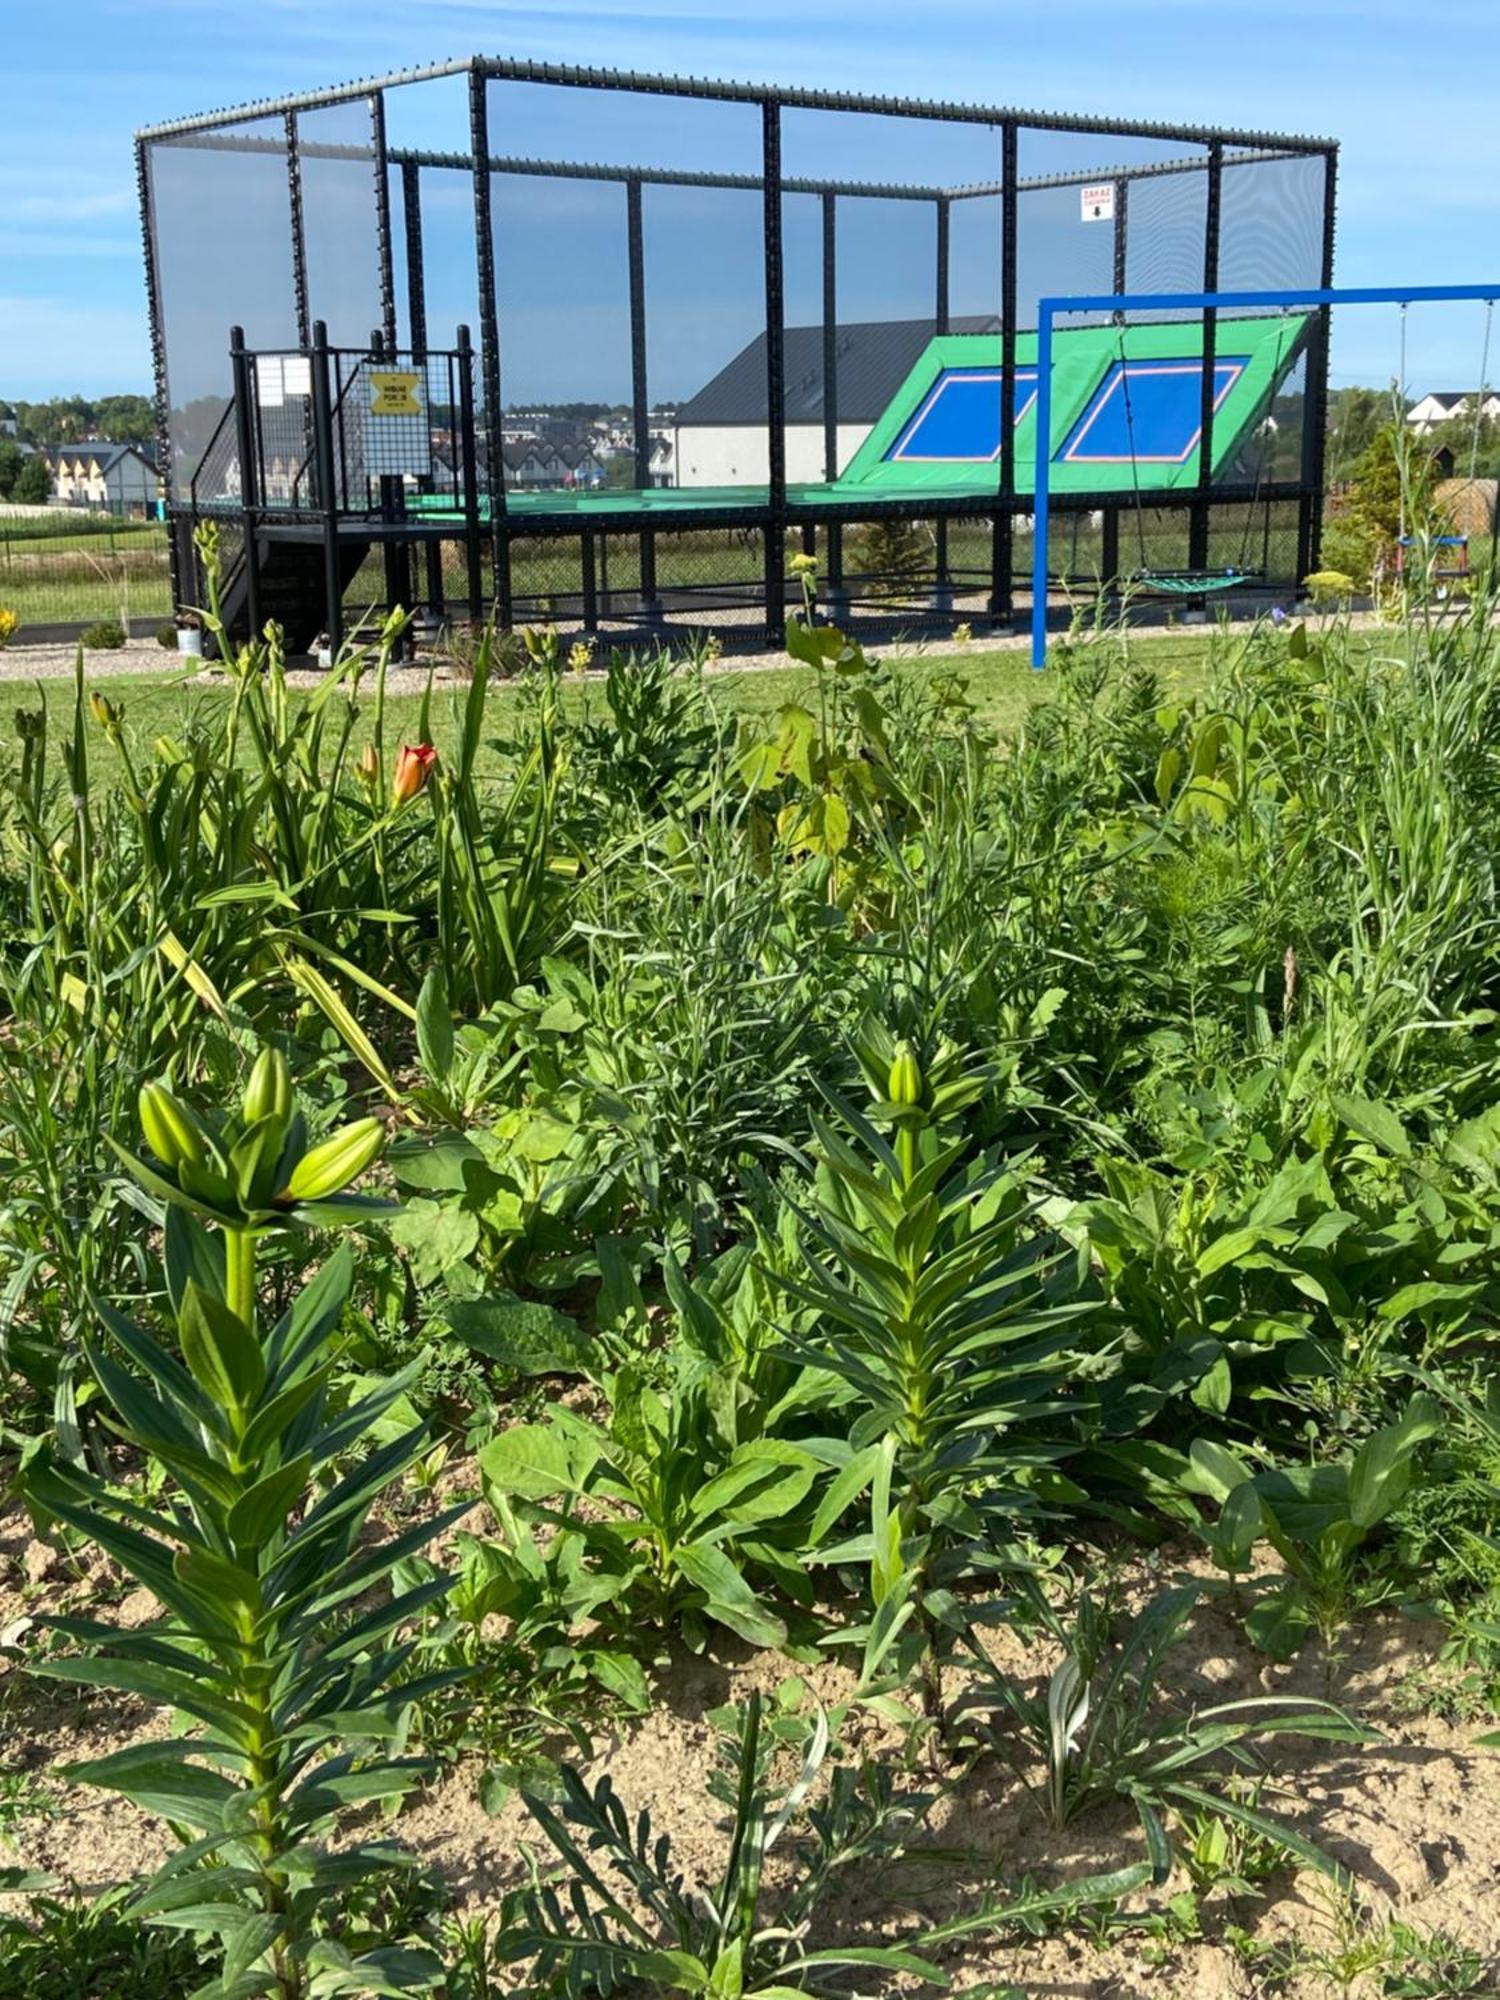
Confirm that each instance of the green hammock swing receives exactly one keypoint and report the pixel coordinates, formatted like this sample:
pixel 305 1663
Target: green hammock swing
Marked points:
pixel 1190 583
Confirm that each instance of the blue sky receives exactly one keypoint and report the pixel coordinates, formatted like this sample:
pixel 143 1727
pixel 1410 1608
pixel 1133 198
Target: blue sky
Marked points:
pixel 1419 190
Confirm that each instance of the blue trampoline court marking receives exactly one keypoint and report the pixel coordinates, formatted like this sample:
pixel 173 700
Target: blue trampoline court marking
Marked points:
pixel 1160 421
pixel 958 420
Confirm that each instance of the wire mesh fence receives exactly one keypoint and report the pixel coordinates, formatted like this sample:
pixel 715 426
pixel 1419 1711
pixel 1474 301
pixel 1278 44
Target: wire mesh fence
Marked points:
pixel 57 569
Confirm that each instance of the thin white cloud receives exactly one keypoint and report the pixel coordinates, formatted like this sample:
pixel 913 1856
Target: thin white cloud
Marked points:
pixel 82 207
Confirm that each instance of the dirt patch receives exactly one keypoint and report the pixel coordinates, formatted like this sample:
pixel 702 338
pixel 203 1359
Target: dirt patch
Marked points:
pixel 1415 1818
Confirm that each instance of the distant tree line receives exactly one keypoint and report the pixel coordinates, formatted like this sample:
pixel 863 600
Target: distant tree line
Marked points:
pixel 70 419
pixel 1358 417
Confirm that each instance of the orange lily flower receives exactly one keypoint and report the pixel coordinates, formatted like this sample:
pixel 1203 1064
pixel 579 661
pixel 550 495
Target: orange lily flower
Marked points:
pixel 412 766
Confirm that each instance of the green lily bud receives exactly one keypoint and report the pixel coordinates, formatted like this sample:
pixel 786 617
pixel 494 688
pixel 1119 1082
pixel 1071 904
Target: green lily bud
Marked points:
pixel 337 1161
pixel 904 1086
pixel 172 1132
pixel 268 1094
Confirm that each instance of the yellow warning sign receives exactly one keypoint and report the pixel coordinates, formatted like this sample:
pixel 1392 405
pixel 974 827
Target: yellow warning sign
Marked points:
pixel 395 392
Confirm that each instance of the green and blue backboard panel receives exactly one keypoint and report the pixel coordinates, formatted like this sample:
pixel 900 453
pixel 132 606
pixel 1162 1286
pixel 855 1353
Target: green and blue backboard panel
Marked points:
pixel 958 420
pixel 1148 413
pixel 1126 408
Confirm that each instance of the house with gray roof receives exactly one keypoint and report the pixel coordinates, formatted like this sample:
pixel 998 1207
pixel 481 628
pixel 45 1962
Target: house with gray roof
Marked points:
pixel 1441 406
pixel 97 473
pixel 720 437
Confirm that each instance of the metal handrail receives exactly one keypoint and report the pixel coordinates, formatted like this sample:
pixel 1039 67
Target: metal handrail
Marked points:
pixel 204 455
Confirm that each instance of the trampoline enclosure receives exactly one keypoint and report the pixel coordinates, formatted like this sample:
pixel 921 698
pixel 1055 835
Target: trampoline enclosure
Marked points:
pixel 794 316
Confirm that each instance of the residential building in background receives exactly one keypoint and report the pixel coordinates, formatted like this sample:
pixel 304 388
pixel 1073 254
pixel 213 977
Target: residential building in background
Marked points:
pixel 1441 406
pixel 97 473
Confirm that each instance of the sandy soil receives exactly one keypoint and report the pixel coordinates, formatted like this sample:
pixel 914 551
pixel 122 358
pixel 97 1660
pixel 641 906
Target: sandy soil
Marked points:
pixel 1415 1818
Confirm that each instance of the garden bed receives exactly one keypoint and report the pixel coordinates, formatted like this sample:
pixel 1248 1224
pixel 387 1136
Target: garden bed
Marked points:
pixel 889 1262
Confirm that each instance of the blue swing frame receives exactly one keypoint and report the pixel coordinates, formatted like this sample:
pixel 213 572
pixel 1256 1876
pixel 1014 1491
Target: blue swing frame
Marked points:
pixel 1114 302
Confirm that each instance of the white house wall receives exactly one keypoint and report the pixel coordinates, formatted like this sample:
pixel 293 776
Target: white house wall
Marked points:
pixel 735 454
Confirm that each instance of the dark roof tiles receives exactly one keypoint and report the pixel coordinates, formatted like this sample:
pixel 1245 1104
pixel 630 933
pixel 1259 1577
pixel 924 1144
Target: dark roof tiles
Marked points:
pixel 873 358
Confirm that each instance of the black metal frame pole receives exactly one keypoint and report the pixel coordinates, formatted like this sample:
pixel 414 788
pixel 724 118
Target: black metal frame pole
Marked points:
pixel 1314 467
pixel 943 591
pixel 244 438
pixel 300 300
pixel 322 429
pixel 160 392
pixel 1198 515
pixel 834 595
pixel 590 581
pixel 1109 548
pixel 489 343
pixel 1002 535
pixel 468 459
pixel 416 274
pixel 416 322
pixel 775 375
pixel 640 393
pixel 395 553
pixel 400 575
pixel 383 244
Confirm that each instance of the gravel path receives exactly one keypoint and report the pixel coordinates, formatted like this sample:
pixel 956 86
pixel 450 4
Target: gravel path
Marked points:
pixel 21 662
pixel 143 657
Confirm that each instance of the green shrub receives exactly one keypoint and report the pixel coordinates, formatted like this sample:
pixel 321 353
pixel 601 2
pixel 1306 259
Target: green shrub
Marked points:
pixel 892 554
pixel 106 635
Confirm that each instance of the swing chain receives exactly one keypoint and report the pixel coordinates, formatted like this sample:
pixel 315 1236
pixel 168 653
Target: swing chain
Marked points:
pixel 1479 398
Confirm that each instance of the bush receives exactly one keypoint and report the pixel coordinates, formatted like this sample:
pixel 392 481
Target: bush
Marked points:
pixel 889 555
pixel 107 636
pixel 33 484
pixel 166 637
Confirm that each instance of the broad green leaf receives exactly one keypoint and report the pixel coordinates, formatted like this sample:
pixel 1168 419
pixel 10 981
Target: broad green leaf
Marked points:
pixel 850 1481
pixel 765 1480
pixel 1213 1469
pixel 623 1676
pixel 535 1461
pixel 1427 1292
pixel 222 1354
pixel 729 1599
pixel 726 1979
pixel 158 1778
pixel 436 1236
pixel 263 1508
pixel 1279 1622
pixel 1212 1391
pixel 521 1334
pixel 440 1166
pixel 1372 1121
pixel 1382 1467
pixel 435 1026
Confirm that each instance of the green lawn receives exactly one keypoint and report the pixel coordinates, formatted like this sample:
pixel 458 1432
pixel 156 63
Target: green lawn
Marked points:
pixel 1001 684
pixel 52 572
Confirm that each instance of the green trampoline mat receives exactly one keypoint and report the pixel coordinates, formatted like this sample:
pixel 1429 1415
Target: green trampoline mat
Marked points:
pixel 650 500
